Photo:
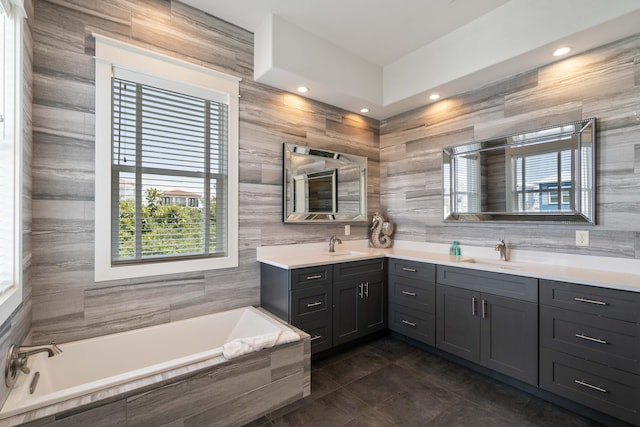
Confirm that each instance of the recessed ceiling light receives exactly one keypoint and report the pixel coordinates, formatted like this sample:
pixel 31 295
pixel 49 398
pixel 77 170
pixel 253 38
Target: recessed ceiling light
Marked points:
pixel 364 110
pixel 562 51
pixel 434 96
pixel 303 89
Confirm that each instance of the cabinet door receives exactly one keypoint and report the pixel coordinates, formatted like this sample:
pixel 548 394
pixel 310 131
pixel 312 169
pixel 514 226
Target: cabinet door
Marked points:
pixel 374 308
pixel 510 337
pixel 346 311
pixel 458 323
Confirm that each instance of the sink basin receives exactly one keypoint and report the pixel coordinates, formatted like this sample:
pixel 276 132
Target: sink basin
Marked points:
pixel 504 265
pixel 344 253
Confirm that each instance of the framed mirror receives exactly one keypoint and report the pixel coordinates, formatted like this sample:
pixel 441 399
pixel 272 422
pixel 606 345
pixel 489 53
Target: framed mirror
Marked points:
pixel 323 186
pixel 542 175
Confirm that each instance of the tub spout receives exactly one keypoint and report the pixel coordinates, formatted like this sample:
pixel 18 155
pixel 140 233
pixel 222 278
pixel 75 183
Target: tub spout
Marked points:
pixel 51 349
pixel 17 358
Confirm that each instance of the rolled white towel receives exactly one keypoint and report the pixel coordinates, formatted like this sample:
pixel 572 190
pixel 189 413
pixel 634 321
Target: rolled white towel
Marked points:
pixel 241 346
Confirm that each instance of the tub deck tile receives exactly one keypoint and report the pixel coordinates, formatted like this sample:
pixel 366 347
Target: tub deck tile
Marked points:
pixel 286 361
pixel 110 415
pixel 247 407
pixel 197 393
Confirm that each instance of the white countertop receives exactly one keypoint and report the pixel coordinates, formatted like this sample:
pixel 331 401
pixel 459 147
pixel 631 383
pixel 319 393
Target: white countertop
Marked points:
pixel 614 273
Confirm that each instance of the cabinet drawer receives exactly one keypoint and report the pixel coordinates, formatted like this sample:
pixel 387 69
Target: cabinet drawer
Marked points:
pixel 357 269
pixel 413 269
pixel 609 341
pixel 320 331
pixel 311 276
pixel 612 303
pixel 413 323
pixel 591 384
pixel 506 285
pixel 411 293
pixel 311 303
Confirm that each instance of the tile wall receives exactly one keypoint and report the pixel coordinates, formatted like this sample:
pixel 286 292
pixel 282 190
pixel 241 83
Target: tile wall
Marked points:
pixel 602 83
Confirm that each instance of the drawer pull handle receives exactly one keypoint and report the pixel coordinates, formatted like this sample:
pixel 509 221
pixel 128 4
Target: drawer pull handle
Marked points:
pixel 591 386
pixel 588 338
pixel 316 337
pixel 474 306
pixel 410 270
pixel 361 291
pixel 314 304
pixel 406 322
pixel 590 301
pixel 411 294
pixel 317 276
pixel 366 289
pixel 484 308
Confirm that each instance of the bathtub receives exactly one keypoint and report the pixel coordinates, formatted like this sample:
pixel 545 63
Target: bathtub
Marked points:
pixel 114 366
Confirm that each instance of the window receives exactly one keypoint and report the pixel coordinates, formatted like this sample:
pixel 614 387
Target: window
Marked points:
pixel 11 13
pixel 166 164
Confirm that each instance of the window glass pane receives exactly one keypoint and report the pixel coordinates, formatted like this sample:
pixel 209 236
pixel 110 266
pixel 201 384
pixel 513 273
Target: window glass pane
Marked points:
pixel 168 163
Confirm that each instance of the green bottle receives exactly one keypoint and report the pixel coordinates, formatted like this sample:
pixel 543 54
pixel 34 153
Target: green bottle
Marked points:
pixel 454 250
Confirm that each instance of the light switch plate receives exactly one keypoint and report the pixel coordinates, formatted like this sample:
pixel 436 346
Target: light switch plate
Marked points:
pixel 347 230
pixel 582 238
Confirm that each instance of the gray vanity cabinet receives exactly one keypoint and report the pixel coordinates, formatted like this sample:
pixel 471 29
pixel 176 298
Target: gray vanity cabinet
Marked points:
pixel 590 347
pixel 490 319
pixel 412 299
pixel 359 300
pixel 334 303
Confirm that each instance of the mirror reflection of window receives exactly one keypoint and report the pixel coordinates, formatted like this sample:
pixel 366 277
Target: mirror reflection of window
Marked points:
pixel 467 191
pixel 537 173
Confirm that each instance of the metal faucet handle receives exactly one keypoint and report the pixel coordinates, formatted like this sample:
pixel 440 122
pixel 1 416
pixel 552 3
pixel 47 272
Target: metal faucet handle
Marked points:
pixel 332 241
pixel 501 246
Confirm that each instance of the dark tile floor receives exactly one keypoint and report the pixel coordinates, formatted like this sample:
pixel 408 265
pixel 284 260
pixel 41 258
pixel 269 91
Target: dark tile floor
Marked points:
pixel 387 382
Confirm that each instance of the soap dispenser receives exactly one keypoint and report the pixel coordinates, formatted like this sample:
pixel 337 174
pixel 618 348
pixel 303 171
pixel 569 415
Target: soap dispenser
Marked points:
pixel 454 250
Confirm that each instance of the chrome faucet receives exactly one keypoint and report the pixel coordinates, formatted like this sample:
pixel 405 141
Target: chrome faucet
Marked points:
pixel 501 246
pixel 332 242
pixel 17 358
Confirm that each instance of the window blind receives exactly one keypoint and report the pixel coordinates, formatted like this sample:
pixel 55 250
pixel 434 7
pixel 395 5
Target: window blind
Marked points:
pixel 169 174
pixel 467 179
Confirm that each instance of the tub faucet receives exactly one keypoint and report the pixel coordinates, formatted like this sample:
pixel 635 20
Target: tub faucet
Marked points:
pixel 501 246
pixel 332 242
pixel 17 358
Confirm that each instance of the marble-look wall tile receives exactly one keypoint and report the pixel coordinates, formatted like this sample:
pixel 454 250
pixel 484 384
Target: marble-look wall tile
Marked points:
pixel 67 303
pixel 601 83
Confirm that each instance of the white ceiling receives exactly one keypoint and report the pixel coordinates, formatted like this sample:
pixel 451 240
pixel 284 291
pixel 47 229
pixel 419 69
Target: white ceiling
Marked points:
pixel 390 55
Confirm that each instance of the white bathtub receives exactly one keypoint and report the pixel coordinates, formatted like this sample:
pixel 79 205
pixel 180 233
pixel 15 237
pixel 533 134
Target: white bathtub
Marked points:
pixel 95 368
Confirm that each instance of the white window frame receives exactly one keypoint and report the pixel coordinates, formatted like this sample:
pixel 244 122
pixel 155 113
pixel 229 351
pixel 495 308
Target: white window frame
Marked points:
pixel 111 53
pixel 11 158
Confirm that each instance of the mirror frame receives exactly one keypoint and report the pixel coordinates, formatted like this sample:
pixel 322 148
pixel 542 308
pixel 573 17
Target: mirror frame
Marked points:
pixel 289 185
pixel 585 133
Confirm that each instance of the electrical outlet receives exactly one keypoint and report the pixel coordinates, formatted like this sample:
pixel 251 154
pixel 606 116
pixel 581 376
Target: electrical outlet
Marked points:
pixel 347 230
pixel 582 238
